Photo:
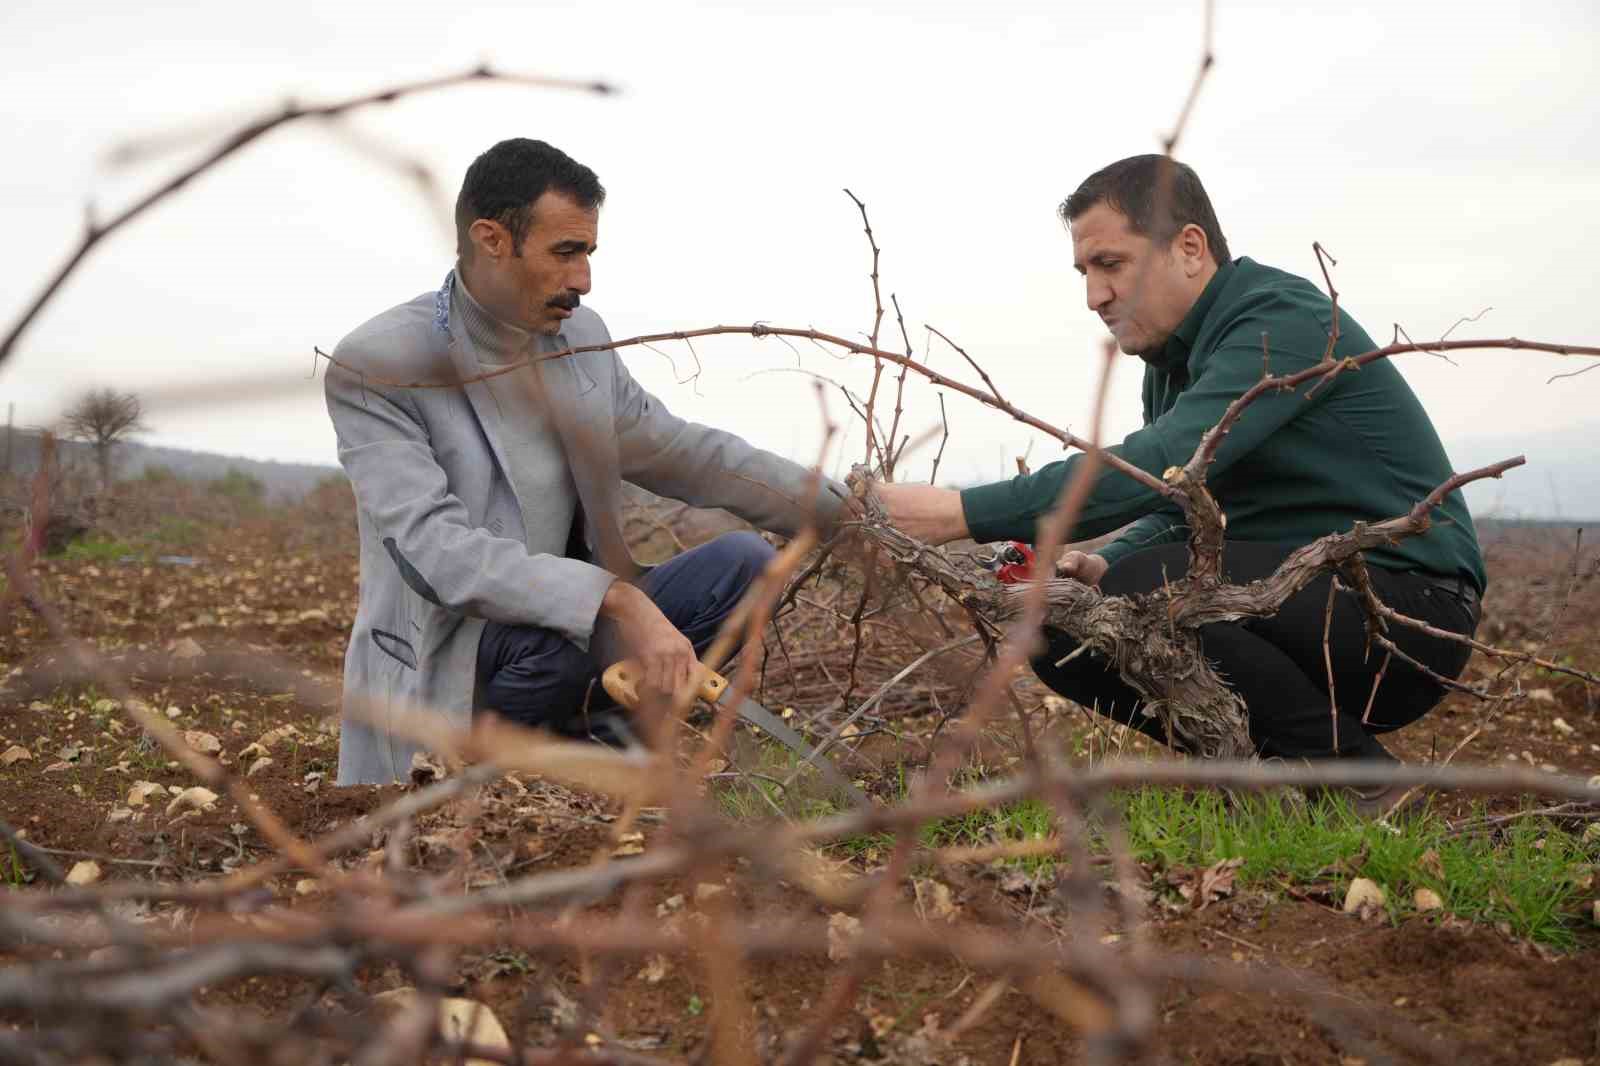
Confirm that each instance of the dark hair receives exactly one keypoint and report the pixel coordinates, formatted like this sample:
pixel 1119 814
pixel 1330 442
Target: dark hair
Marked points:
pixel 503 183
pixel 1133 185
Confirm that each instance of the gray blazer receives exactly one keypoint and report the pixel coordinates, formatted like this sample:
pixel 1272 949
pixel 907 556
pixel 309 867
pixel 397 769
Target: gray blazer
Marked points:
pixel 444 545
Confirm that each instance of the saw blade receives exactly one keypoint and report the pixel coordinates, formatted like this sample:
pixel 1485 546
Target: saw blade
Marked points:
pixel 779 730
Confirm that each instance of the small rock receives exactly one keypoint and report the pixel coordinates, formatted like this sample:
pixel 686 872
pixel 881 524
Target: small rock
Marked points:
pixel 461 1021
pixel 198 798
pixel 251 750
pixel 843 929
pixel 1561 726
pixel 119 814
pixel 174 711
pixel 14 754
pixel 260 764
pixel 86 872
pixel 1542 695
pixel 187 648
pixel 107 706
pixel 1426 899
pixel 307 886
pixel 1363 897
pixel 1594 783
pixel 141 792
pixel 669 905
pixel 707 890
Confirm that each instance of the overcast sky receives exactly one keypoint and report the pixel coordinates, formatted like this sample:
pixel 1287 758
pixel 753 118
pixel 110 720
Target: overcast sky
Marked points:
pixel 1445 153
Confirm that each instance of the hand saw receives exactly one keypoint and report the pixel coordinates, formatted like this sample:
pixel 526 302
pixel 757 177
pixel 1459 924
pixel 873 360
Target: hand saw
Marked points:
pixel 621 682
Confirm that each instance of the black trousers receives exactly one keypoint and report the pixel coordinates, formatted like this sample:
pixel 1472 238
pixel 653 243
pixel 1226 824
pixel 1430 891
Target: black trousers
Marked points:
pixel 537 677
pixel 1276 664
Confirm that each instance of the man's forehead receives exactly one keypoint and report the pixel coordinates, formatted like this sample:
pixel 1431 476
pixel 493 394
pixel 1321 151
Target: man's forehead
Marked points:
pixel 560 217
pixel 1098 228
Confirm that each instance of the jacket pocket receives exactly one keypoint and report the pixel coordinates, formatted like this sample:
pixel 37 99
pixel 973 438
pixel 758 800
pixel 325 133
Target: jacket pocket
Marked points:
pixel 396 647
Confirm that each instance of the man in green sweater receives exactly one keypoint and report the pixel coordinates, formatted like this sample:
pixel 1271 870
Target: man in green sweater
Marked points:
pixel 1296 466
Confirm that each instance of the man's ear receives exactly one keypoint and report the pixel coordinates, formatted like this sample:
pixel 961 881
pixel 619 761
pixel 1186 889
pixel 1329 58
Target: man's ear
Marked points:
pixel 1192 248
pixel 490 238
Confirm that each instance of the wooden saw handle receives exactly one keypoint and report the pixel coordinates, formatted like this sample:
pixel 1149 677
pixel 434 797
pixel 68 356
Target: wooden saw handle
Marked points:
pixel 621 682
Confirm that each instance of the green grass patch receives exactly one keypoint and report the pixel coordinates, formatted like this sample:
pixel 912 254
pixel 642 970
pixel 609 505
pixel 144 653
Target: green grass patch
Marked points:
pixel 96 549
pixel 1530 875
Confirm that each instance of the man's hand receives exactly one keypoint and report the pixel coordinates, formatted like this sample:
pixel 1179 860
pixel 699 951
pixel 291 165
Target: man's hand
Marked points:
pixel 1084 566
pixel 664 655
pixel 932 515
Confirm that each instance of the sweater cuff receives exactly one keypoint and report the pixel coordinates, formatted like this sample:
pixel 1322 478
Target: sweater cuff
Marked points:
pixel 1115 550
pixel 992 513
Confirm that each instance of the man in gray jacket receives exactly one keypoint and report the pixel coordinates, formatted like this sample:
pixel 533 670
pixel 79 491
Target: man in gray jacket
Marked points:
pixel 494 574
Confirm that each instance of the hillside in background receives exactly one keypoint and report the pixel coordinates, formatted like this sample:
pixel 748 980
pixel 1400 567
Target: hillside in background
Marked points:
pixel 282 480
pixel 1561 481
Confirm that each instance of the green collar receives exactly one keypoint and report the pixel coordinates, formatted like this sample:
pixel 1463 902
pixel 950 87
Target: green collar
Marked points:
pixel 1175 353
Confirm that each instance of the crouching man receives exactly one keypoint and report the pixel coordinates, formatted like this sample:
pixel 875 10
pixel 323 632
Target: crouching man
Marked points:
pixel 493 569
pixel 1295 467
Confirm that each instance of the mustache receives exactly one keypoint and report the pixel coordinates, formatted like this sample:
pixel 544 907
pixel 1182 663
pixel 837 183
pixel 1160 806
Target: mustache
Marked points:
pixel 569 301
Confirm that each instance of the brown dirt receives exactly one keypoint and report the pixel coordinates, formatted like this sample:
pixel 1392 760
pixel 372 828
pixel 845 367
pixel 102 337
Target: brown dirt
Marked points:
pixel 1468 992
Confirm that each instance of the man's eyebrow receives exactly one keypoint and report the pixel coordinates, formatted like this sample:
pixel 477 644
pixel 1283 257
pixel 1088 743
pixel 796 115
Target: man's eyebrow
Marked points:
pixel 572 246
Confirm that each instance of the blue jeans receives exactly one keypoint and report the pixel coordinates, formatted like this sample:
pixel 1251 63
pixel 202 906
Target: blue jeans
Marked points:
pixel 538 678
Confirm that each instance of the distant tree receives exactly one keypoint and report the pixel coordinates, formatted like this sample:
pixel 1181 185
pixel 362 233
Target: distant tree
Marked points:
pixel 239 485
pixel 104 418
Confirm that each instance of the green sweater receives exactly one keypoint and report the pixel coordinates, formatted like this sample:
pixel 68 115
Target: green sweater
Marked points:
pixel 1293 469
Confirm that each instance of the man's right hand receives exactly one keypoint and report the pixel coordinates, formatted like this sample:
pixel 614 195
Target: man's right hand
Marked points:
pixel 664 655
pixel 1083 566
pixel 931 515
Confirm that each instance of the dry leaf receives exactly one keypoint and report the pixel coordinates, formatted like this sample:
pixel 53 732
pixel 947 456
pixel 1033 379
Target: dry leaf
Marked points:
pixel 86 872
pixel 1542 695
pixel 1217 881
pixel 260 764
pixel 252 750
pixel 629 844
pixel 1430 864
pixel 1364 897
pixel 198 798
pixel 201 741
pixel 57 767
pixel 15 753
pixel 655 970
pixel 141 792
pixel 1426 899
pixel 843 929
pixel 119 814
